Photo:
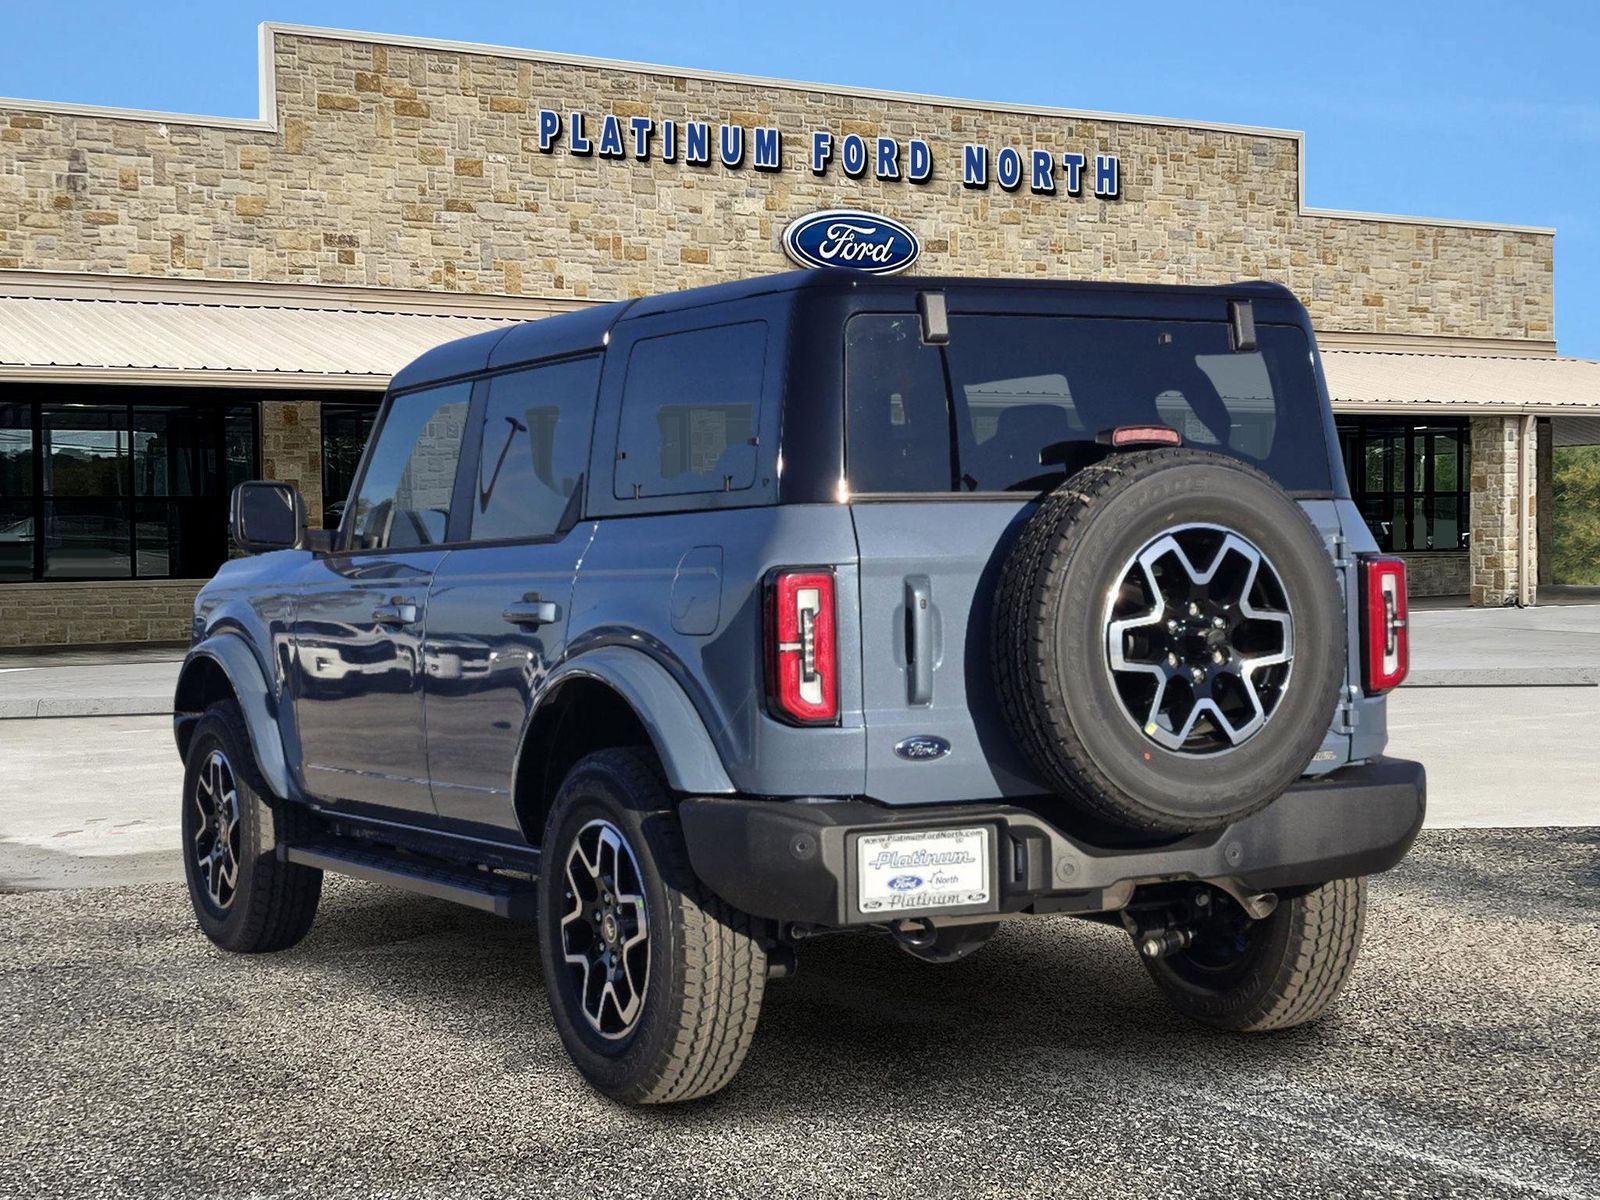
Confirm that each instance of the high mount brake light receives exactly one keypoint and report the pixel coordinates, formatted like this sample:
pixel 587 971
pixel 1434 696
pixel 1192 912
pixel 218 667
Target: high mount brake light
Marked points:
pixel 1385 626
pixel 802 647
pixel 1140 435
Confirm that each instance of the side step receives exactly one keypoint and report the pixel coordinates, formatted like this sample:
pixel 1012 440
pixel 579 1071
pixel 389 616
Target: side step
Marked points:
pixel 501 895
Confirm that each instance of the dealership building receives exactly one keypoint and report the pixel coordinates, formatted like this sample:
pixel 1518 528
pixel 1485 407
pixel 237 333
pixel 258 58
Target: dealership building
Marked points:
pixel 190 301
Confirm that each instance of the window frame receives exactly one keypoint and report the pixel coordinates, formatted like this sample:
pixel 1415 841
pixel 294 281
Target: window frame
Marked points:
pixel 576 503
pixel 628 368
pixel 1331 448
pixel 1365 429
pixel 775 311
pixel 105 397
pixel 476 391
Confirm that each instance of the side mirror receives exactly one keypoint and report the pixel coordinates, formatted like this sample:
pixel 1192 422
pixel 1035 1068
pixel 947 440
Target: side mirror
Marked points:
pixel 265 515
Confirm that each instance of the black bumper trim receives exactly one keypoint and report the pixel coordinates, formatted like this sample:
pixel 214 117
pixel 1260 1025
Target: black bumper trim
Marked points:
pixel 790 860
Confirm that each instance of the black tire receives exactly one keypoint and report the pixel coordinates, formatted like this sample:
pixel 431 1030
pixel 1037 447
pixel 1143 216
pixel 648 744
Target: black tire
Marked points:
pixel 705 969
pixel 1281 971
pixel 270 904
pixel 1050 643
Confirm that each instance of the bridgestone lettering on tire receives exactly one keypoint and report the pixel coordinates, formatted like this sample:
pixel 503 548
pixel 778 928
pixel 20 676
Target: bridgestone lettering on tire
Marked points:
pixel 704 965
pixel 1169 640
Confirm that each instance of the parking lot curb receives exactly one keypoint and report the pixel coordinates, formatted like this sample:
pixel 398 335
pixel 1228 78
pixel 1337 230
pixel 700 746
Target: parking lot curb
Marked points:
pixel 1505 677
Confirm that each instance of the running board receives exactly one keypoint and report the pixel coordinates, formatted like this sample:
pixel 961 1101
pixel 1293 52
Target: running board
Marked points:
pixel 501 895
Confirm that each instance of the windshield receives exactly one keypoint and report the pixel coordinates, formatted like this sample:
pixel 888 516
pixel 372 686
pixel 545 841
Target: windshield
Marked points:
pixel 974 415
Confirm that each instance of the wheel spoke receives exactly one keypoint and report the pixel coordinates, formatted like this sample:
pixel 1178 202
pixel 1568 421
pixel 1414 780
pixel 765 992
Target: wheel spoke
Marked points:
pixel 1199 639
pixel 605 929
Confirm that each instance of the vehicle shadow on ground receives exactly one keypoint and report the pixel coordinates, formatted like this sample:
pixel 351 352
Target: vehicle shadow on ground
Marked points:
pixel 862 1023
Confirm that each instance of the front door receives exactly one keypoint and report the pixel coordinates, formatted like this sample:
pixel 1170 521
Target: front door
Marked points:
pixel 497 615
pixel 356 673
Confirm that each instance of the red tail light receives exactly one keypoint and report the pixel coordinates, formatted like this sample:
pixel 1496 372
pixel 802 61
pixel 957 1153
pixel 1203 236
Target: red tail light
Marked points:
pixel 1384 625
pixel 802 648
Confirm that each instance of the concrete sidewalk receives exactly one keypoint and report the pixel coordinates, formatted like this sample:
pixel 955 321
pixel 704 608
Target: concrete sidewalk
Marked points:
pixel 112 686
pixel 1548 646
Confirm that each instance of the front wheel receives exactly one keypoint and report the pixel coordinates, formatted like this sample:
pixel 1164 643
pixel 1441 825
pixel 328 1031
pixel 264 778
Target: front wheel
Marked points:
pixel 1281 971
pixel 655 985
pixel 245 898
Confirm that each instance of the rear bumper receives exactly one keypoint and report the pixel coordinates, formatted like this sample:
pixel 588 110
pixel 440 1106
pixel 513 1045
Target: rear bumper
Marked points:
pixel 795 861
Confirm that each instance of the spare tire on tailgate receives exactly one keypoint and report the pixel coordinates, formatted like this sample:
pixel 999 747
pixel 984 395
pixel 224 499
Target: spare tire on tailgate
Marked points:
pixel 1169 640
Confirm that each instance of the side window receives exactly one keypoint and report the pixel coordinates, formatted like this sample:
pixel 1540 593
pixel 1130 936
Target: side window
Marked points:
pixel 404 499
pixel 898 414
pixel 690 406
pixel 535 448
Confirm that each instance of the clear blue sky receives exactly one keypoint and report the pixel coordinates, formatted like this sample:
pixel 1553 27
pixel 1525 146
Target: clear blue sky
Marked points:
pixel 1467 110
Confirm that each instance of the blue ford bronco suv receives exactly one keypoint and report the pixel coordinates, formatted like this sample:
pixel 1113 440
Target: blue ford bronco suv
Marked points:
pixel 691 627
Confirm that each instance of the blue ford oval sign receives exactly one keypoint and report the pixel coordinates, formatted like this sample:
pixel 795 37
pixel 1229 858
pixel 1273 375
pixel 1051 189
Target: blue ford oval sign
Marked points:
pixel 855 240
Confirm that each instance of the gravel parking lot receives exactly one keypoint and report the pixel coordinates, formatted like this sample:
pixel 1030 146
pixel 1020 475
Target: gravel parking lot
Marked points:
pixel 405 1049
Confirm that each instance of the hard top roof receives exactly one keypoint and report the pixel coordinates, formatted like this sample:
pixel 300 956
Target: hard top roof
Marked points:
pixel 587 329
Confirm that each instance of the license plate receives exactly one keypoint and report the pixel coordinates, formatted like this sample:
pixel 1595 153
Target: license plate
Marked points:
pixel 931 868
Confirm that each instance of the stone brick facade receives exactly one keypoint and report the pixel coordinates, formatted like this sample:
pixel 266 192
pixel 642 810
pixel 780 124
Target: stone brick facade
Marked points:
pixel 419 167
pixel 1439 573
pixel 1497 511
pixel 400 164
pixel 60 614
pixel 291 448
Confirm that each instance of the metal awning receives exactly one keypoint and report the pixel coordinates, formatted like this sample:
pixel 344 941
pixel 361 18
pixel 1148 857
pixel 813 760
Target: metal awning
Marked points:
pixel 60 339
pixel 1361 381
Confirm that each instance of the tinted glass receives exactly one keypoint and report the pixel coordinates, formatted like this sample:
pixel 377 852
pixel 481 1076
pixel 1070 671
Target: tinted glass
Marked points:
pixel 86 539
pixel 345 429
pixel 1411 481
pixel 16 450
pixel 86 451
pixel 689 410
pixel 1021 384
pixel 135 480
pixel 899 418
pixel 405 496
pixel 535 448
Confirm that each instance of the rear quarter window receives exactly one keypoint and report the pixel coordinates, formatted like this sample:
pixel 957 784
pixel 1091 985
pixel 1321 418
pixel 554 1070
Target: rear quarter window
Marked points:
pixel 690 406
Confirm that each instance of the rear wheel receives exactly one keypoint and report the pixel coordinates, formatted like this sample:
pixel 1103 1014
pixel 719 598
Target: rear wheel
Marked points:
pixel 655 985
pixel 1275 973
pixel 245 899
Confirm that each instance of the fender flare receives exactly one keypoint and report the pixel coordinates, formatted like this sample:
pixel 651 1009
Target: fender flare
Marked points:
pixel 688 755
pixel 248 680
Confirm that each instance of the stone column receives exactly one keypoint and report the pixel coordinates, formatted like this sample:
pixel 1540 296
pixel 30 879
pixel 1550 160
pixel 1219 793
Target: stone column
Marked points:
pixel 1497 510
pixel 291 449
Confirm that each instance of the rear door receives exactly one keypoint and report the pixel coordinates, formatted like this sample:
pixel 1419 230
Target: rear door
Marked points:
pixel 498 611
pixel 356 665
pixel 944 463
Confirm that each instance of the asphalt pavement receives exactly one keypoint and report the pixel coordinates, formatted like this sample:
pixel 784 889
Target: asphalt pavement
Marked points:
pixel 404 1049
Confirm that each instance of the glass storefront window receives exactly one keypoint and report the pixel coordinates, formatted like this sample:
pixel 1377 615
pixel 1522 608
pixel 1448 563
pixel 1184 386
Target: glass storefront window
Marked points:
pixel 119 483
pixel 1411 481
pixel 345 428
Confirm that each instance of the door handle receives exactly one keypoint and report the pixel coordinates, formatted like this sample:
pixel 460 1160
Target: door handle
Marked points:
pixel 919 640
pixel 532 612
pixel 397 613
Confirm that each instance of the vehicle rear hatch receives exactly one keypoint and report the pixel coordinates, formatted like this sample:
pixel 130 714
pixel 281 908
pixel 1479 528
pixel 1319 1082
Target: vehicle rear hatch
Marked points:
pixel 943 462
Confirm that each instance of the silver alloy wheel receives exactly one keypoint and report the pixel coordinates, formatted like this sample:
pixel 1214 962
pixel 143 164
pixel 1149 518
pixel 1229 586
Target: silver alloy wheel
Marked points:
pixel 1199 655
pixel 216 836
pixel 605 932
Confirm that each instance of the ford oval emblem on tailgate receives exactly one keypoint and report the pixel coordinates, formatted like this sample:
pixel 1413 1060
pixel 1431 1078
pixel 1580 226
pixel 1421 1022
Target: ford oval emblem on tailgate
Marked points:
pixel 855 240
pixel 922 748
